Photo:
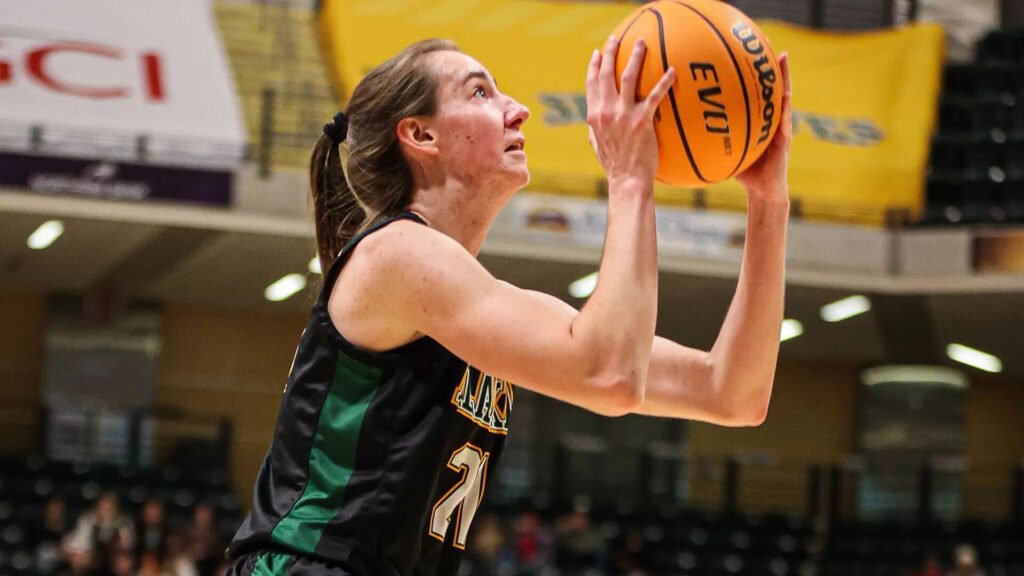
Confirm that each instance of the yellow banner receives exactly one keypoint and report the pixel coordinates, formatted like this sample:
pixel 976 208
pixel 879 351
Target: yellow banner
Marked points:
pixel 864 103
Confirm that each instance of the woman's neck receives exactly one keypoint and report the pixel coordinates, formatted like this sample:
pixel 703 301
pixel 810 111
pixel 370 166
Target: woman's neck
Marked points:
pixel 462 214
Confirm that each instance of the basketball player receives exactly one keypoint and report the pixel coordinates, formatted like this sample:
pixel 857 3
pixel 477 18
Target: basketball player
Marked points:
pixel 399 398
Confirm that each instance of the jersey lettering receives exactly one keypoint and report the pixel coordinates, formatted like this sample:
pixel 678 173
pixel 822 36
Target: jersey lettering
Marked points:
pixel 484 399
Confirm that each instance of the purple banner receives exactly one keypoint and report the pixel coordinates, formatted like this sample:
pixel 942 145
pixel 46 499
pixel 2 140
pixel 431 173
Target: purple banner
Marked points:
pixel 114 180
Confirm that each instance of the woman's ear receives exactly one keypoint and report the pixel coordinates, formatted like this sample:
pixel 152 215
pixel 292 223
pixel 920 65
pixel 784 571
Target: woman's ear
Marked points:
pixel 416 137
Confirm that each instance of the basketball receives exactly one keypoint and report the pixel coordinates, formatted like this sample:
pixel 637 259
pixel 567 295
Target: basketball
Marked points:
pixel 726 103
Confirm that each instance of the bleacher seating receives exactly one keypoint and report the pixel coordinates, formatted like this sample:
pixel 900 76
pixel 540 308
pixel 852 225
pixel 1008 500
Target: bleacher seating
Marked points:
pixel 886 548
pixel 26 484
pixel 275 47
pixel 735 544
pixel 977 163
pixel 691 541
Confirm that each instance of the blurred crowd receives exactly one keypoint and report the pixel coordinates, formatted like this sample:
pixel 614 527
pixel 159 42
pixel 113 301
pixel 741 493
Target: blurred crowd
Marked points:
pixel 573 546
pixel 965 563
pixel 530 546
pixel 104 541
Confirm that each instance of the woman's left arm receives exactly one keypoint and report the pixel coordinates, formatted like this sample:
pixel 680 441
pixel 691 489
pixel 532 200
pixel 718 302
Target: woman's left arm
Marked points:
pixel 732 384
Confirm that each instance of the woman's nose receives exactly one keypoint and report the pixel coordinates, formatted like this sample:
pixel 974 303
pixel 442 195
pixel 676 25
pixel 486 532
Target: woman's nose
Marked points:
pixel 517 115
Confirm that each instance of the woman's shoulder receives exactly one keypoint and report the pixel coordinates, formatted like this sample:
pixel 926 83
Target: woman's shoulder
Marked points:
pixel 386 273
pixel 406 229
pixel 403 277
pixel 405 243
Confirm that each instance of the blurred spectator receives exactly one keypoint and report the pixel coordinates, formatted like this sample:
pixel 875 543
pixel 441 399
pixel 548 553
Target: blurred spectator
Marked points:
pixel 179 559
pixel 205 546
pixel 152 531
pixel 930 566
pixel 98 527
pixel 122 562
pixel 79 554
pixel 109 558
pixel 116 559
pixel 533 542
pixel 49 534
pixel 965 558
pixel 631 559
pixel 487 554
pixel 222 568
pixel 580 547
pixel 149 565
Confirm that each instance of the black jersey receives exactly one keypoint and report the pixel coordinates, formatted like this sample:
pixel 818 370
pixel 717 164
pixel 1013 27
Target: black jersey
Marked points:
pixel 379 461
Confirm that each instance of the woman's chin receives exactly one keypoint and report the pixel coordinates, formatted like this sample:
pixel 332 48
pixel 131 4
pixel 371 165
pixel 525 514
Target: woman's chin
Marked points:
pixel 520 175
pixel 525 179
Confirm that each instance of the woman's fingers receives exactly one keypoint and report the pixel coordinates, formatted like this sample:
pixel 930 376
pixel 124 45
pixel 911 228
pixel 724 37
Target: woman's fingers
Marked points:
pixel 628 91
pixel 593 88
pixel 787 105
pixel 592 69
pixel 607 72
pixel 658 93
pixel 784 67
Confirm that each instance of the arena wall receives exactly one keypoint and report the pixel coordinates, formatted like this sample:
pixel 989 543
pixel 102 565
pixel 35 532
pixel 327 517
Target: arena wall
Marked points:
pixel 234 364
pixel 21 370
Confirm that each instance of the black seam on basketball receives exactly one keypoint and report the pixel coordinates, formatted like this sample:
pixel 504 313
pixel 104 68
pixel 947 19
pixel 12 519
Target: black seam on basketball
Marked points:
pixel 739 74
pixel 631 22
pixel 672 99
pixel 623 35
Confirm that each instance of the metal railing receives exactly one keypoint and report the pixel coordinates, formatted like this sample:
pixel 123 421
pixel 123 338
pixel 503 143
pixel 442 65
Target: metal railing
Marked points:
pixel 833 14
pixel 662 477
pixel 120 146
pixel 138 438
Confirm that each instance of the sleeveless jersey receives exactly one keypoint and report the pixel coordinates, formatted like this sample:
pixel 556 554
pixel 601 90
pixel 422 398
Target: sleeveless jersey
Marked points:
pixel 379 460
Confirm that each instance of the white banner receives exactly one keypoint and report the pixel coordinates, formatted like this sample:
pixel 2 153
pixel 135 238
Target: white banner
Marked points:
pixel 566 220
pixel 140 80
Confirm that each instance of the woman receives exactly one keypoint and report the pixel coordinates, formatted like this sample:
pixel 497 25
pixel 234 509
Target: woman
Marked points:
pixel 398 401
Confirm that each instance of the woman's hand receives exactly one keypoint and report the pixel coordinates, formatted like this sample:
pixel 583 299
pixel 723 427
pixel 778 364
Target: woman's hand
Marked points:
pixel 766 178
pixel 621 126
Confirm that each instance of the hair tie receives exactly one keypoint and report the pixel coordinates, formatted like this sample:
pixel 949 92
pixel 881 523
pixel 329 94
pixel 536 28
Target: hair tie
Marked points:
pixel 337 130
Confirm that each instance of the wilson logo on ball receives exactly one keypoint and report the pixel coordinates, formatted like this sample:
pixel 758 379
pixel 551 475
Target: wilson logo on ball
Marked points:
pixel 766 76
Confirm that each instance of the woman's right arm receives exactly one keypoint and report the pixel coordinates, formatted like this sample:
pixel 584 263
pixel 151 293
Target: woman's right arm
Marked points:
pixel 598 359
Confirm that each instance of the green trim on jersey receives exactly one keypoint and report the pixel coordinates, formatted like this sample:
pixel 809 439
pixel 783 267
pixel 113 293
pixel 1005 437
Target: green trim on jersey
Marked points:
pixel 333 455
pixel 272 564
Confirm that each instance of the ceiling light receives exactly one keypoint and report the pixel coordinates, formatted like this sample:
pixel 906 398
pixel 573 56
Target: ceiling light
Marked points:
pixel 314 265
pixel 46 234
pixel 285 288
pixel 583 287
pixel 974 358
pixel 846 308
pixel 914 374
pixel 791 329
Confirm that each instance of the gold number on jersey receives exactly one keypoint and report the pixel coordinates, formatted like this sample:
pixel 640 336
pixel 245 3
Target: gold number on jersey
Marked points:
pixel 464 497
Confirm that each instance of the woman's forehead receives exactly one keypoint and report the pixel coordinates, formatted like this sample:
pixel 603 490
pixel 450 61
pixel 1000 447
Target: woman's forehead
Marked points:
pixel 455 68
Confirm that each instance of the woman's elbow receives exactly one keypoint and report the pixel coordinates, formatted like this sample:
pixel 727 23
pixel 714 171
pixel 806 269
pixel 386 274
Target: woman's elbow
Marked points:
pixel 746 413
pixel 750 418
pixel 619 396
pixel 747 418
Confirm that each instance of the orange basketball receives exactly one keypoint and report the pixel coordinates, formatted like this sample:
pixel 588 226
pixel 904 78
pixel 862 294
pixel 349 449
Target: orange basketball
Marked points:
pixel 726 103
